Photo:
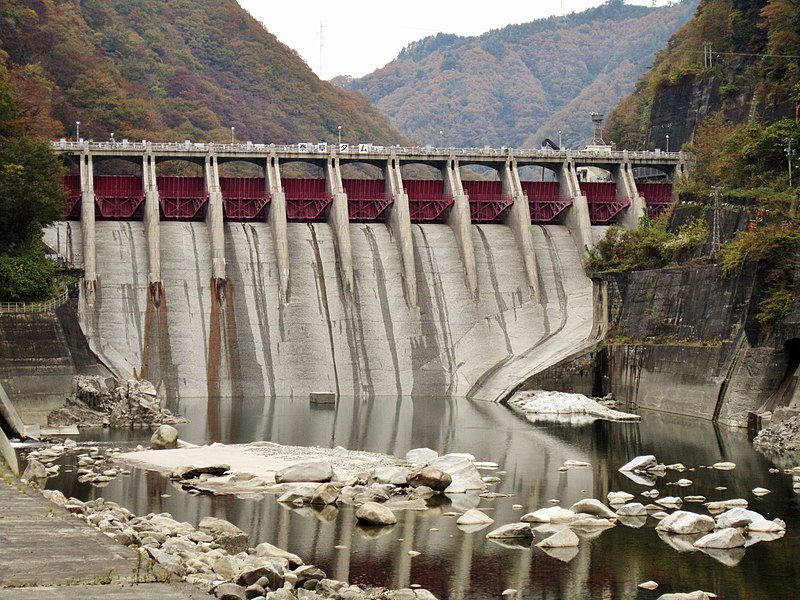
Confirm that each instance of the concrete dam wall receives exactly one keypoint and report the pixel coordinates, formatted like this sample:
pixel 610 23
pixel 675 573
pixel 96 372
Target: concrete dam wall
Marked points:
pixel 194 336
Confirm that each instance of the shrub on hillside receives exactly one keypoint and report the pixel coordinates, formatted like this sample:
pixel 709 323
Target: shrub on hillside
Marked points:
pixel 26 277
pixel 651 246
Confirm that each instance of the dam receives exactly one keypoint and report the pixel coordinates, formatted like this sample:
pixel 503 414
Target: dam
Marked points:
pixel 396 285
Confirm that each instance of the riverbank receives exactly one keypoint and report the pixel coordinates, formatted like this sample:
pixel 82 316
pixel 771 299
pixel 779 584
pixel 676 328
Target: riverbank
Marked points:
pixel 38 559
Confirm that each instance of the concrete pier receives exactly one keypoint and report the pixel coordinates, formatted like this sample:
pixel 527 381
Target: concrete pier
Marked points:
pixel 627 186
pixel 399 221
pixel 577 218
pixel 339 220
pixel 152 219
pixel 277 223
pixel 459 220
pixel 215 218
pixel 88 223
pixel 518 218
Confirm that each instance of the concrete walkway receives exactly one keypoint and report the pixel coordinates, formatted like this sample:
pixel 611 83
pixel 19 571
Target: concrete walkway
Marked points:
pixel 47 553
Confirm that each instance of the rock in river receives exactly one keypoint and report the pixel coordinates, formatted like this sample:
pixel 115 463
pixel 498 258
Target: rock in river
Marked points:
pixel 315 471
pixel 164 437
pixel 512 530
pixel 683 523
pixel 375 514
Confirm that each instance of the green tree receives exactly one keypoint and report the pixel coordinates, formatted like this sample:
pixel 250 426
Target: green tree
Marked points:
pixel 31 194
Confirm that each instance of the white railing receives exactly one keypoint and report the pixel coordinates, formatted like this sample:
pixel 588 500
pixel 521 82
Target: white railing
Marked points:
pixel 125 147
pixel 34 307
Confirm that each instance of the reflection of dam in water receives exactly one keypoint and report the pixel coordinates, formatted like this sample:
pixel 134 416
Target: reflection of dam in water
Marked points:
pixel 374 343
pixel 391 285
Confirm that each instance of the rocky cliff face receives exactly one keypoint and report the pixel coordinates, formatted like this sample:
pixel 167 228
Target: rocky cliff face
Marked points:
pixel 678 108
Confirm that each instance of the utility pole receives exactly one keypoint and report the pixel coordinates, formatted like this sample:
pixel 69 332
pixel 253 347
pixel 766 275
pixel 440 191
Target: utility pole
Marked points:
pixel 708 57
pixel 790 152
pixel 715 224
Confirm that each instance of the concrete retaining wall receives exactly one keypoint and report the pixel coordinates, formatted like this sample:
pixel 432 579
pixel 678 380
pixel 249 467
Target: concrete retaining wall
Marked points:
pixel 39 355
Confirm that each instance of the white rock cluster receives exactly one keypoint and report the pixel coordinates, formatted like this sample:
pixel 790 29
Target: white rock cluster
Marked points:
pixel 93 466
pixel 562 403
pixel 395 484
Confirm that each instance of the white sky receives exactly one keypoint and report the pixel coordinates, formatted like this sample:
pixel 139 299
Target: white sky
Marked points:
pixel 363 35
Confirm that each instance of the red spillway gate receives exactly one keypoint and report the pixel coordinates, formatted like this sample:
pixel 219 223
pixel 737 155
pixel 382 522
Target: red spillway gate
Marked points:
pixel 545 201
pixel 72 211
pixel 427 201
pixel 244 198
pixel 486 200
pixel 366 199
pixel 182 198
pixel 119 197
pixel 657 196
pixel 306 199
pixel 604 204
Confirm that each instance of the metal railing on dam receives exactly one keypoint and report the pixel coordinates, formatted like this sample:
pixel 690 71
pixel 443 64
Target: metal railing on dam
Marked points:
pixel 370 151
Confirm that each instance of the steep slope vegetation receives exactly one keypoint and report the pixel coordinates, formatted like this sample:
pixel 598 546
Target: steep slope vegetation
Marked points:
pixel 170 70
pixel 516 85
pixel 750 74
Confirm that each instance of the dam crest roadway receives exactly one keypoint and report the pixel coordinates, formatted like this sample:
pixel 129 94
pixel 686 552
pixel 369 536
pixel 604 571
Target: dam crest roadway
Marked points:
pixel 425 280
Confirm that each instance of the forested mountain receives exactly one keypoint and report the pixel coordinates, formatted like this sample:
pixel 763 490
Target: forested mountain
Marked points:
pixel 169 70
pixel 517 85
pixel 735 61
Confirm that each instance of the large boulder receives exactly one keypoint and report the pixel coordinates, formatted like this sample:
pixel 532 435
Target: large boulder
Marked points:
pixel 462 470
pixel 325 493
pixel 390 475
pixel 632 509
pixel 696 595
pixel 225 534
pixel 682 522
pixel 267 550
pixel 474 517
pixel 511 531
pixel 730 537
pixel 738 517
pixel 373 513
pixel 165 437
pixel 594 507
pixel 640 463
pixel 432 477
pixel 565 538
pixel 35 472
pixel 766 526
pixel 313 471
pixel 421 456
pixel 229 591
pixel 551 514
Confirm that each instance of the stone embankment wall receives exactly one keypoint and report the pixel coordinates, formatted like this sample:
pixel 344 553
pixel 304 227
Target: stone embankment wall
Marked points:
pixel 39 355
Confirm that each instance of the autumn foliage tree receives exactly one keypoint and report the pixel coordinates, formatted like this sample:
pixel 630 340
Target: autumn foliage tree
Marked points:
pixel 31 196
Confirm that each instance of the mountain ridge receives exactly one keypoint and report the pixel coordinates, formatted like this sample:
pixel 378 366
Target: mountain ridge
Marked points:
pixel 169 71
pixel 503 88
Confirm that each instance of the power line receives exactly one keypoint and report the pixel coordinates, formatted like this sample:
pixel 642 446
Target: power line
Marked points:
pixel 707 49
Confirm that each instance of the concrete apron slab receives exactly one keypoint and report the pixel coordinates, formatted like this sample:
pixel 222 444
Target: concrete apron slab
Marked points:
pixel 51 553
pixel 130 591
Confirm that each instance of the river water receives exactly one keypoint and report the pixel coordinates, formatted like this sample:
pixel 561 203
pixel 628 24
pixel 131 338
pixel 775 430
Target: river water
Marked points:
pixel 458 565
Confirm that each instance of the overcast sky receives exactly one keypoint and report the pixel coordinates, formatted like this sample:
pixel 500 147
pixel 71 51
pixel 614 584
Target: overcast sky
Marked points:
pixel 360 36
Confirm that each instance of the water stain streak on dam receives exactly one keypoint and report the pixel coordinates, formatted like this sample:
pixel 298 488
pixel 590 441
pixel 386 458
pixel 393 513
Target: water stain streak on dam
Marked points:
pixel 375 344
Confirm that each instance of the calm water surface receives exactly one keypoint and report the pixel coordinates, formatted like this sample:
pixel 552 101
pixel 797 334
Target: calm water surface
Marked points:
pixel 458 565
